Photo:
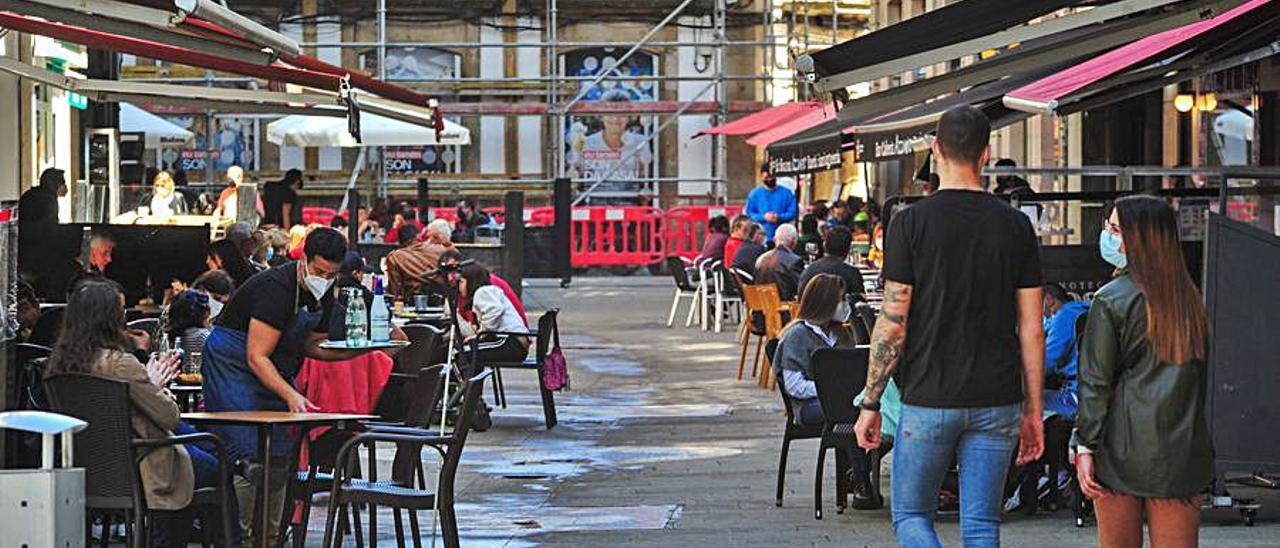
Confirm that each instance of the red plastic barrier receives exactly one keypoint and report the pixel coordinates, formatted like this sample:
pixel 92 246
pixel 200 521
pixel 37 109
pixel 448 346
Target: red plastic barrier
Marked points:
pixel 319 215
pixel 685 227
pixel 616 236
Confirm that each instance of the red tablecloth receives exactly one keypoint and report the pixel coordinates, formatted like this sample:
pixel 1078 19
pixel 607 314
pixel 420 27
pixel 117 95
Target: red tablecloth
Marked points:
pixel 350 386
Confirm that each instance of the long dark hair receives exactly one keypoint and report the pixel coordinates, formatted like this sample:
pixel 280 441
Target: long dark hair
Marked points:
pixel 1177 326
pixel 228 253
pixel 477 276
pixel 92 322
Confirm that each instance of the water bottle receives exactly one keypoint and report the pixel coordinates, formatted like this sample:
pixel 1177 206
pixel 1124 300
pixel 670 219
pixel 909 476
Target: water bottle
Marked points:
pixel 379 314
pixel 357 322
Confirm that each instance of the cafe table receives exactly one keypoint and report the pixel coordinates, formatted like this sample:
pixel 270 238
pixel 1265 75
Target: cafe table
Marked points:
pixel 265 422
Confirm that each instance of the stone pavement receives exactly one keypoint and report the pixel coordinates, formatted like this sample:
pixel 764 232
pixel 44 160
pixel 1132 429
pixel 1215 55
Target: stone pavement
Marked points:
pixel 659 445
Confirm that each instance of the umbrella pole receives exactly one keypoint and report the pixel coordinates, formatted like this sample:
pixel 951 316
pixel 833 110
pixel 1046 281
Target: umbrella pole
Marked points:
pixel 351 184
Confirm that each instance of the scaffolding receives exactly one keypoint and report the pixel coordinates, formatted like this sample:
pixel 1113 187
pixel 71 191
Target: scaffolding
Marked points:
pixel 785 29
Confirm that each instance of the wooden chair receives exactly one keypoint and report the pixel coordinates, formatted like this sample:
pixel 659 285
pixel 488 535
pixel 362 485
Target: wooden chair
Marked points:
pixel 753 325
pixel 777 313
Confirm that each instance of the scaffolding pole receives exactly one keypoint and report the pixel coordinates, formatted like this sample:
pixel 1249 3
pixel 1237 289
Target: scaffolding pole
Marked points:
pixel 720 146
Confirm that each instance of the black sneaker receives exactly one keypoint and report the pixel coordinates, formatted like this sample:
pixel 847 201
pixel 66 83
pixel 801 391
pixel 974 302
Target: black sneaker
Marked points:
pixel 860 489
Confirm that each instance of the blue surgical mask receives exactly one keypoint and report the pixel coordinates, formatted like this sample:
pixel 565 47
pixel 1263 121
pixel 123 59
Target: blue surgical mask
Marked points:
pixel 1109 246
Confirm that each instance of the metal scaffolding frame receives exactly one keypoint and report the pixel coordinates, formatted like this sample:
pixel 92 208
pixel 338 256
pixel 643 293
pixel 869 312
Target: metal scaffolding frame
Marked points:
pixel 558 104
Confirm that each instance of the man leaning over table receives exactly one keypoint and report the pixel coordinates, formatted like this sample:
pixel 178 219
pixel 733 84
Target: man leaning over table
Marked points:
pixel 252 356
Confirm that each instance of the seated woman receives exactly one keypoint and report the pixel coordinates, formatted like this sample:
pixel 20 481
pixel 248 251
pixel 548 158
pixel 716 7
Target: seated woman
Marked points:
pixel 492 312
pixel 189 324
pixel 94 341
pixel 164 200
pixel 823 311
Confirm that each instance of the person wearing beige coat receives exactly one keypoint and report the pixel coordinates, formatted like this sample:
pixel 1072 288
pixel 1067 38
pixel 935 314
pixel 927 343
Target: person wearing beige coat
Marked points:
pixel 95 341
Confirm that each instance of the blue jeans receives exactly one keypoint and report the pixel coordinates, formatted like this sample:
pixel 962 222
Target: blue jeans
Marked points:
pixel 982 440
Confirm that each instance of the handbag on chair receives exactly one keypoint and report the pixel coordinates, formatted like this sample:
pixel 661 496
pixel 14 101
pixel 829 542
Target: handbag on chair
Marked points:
pixel 555 370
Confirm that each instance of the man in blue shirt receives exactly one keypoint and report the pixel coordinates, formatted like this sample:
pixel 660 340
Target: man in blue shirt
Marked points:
pixel 771 205
pixel 1060 352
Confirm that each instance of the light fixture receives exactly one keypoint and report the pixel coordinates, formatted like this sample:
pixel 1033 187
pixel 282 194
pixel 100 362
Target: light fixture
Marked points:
pixel 1209 102
pixel 1184 102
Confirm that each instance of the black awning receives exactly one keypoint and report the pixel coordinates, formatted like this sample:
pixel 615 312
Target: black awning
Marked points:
pixel 815 149
pixel 888 135
pixel 944 26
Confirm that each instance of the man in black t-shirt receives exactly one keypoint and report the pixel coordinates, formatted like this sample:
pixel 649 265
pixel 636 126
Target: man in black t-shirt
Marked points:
pixel 280 200
pixel 961 334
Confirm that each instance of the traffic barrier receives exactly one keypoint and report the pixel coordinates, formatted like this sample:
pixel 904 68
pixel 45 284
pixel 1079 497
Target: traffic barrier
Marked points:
pixel 685 227
pixel 605 235
pixel 318 215
pixel 616 236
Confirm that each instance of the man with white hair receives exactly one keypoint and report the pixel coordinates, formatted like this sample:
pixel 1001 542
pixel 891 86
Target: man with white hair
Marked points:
pixel 409 268
pixel 228 199
pixel 781 266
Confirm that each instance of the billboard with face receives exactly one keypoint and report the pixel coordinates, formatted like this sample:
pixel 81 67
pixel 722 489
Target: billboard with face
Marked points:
pixel 596 145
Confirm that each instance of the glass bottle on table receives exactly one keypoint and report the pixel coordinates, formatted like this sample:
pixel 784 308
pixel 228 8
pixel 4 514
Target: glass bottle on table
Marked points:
pixel 357 319
pixel 379 314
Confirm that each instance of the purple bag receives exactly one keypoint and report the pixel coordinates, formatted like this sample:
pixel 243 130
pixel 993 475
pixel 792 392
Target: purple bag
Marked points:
pixel 555 370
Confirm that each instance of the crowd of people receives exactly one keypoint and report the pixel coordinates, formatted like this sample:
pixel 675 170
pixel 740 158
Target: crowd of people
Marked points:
pixel 264 305
pixel 974 356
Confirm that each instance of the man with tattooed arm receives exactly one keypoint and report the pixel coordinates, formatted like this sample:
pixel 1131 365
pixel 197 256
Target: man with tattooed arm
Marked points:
pixel 961 333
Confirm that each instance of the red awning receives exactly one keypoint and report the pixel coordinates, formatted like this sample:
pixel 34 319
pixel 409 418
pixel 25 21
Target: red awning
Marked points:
pixel 794 125
pixel 760 121
pixel 1043 95
pixel 156 50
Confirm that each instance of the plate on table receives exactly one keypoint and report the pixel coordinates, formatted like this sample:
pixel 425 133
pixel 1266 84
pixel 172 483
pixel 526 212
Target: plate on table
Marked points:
pixel 428 313
pixel 366 345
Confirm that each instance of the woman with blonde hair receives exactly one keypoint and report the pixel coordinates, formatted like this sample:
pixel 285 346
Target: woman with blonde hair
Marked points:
pixel 1141 432
pixel 165 201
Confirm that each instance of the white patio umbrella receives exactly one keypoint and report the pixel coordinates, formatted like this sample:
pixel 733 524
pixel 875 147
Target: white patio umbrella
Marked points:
pixel 158 131
pixel 328 131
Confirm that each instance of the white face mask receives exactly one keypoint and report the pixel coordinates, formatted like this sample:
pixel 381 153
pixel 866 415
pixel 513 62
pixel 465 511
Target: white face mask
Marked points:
pixel 318 285
pixel 842 313
pixel 215 307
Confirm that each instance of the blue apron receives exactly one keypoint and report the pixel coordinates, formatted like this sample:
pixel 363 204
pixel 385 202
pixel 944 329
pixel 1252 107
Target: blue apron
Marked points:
pixel 230 385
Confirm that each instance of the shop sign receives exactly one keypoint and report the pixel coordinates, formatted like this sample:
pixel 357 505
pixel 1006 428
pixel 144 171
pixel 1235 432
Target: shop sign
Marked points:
pixel 410 160
pixel 190 159
pixel 875 147
pixel 805 163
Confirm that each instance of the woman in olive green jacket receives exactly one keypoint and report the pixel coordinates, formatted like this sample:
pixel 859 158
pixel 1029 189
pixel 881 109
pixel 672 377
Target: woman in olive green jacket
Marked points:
pixel 1142 435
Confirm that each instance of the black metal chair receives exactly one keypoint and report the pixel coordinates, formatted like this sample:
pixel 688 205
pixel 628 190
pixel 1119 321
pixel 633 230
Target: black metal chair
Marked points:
pixel 839 375
pixel 426 345
pixel 407 401
pixel 793 430
pixel 400 493
pixel 110 456
pixel 547 334
pixel 150 325
pixel 685 289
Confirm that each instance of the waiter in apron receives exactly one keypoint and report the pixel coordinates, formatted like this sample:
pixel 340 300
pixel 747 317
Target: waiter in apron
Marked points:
pixel 273 321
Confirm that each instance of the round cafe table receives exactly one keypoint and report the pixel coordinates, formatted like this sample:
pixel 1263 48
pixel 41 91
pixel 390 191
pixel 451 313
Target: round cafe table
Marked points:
pixel 265 422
